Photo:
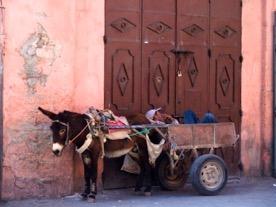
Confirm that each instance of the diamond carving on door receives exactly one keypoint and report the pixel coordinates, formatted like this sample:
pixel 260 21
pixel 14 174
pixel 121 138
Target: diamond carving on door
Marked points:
pixel 193 30
pixel 192 71
pixel 159 27
pixel 225 90
pixel 122 79
pixel 123 25
pixel 224 81
pixel 158 79
pixel 225 32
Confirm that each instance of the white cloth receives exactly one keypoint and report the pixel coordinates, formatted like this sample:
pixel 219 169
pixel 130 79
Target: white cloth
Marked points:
pixel 150 114
pixel 130 165
pixel 154 150
pixel 120 134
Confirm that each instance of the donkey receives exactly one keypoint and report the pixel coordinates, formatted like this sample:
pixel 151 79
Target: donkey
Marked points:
pixel 70 127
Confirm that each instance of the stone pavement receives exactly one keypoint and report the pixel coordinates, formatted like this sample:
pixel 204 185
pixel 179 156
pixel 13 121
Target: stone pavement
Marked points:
pixel 249 192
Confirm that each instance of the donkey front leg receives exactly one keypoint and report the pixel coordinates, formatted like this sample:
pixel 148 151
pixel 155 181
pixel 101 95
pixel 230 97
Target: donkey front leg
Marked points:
pixel 93 173
pixel 87 185
pixel 92 166
pixel 90 176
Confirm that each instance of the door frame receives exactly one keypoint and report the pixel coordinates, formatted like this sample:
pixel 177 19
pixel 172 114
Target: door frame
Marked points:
pixel 274 100
pixel 2 35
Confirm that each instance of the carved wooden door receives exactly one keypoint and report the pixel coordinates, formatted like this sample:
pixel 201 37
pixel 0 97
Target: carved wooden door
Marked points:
pixel 142 72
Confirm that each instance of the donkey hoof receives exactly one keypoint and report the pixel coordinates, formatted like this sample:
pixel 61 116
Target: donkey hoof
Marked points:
pixel 137 192
pixel 147 193
pixel 91 200
pixel 83 196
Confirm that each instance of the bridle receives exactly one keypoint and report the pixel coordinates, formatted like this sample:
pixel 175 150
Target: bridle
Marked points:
pixel 70 141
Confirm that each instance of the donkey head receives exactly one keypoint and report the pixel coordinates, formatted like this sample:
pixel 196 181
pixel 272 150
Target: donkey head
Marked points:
pixel 61 132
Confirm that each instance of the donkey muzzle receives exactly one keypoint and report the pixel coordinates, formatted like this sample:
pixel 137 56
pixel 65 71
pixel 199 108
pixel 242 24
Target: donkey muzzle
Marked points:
pixel 57 149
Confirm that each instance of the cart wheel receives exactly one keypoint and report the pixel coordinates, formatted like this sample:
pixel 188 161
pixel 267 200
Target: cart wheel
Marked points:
pixel 170 181
pixel 208 174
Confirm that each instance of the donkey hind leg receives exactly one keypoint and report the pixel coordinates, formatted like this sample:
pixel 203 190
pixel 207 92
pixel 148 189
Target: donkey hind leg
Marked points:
pixel 145 176
pixel 87 175
pixel 140 179
pixel 148 178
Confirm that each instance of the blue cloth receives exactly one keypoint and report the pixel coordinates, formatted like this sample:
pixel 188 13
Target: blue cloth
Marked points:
pixel 208 118
pixel 189 117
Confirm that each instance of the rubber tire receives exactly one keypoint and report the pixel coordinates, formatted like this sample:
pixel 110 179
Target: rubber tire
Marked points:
pixel 165 183
pixel 195 174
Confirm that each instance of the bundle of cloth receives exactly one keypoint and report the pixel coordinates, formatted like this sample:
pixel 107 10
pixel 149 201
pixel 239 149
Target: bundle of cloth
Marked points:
pixel 156 117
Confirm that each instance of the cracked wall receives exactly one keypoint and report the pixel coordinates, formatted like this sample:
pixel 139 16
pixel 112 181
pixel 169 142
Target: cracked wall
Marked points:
pixel 53 59
pixel 38 50
pixel 38 71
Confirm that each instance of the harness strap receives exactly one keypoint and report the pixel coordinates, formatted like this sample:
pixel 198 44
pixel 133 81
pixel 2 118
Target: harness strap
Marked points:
pixel 67 130
pixel 72 140
pixel 102 141
pixel 86 144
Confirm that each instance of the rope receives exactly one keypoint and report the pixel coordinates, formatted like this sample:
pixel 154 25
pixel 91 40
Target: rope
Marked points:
pixel 72 140
pixel 143 132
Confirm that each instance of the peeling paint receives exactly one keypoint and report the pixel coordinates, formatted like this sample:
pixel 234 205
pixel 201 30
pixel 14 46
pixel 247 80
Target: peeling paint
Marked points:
pixel 38 50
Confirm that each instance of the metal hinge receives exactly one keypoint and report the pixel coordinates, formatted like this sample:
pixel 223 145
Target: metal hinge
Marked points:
pixel 104 39
pixel 241 112
pixel 241 59
pixel 209 53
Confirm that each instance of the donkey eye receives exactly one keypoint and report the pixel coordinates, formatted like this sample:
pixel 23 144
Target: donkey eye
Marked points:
pixel 62 131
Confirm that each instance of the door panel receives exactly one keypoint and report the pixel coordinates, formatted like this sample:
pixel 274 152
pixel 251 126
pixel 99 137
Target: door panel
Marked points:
pixel 158 63
pixel 225 75
pixel 122 73
pixel 225 82
pixel 192 81
pixel 123 57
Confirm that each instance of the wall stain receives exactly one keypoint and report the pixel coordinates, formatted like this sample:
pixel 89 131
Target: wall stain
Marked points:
pixel 39 53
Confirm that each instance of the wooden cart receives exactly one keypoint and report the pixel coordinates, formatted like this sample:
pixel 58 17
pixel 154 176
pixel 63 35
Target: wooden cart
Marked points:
pixel 190 149
pixel 192 152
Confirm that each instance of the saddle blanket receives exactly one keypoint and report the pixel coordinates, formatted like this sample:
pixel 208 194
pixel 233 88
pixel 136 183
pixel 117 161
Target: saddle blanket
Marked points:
pixel 115 134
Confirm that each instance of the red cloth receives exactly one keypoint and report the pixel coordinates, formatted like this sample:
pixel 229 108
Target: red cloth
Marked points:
pixel 111 123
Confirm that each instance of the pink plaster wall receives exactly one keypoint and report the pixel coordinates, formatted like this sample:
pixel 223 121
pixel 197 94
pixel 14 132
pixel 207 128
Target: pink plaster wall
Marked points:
pixel 89 59
pixel 256 134
pixel 62 70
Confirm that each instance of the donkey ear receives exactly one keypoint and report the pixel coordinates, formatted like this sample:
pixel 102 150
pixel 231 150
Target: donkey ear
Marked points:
pixel 50 114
